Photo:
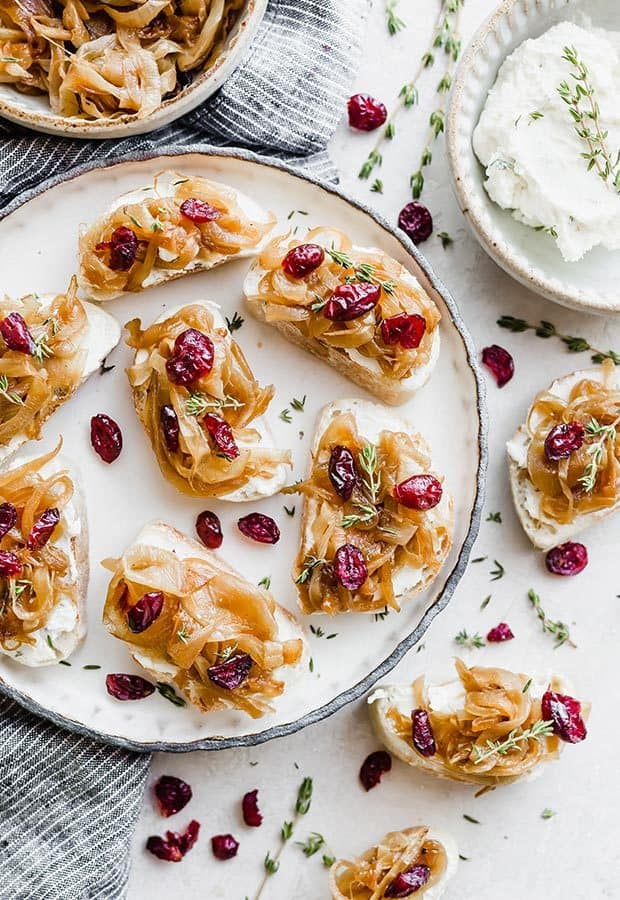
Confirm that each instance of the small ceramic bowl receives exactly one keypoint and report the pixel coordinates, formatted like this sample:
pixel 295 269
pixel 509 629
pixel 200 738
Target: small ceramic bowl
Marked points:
pixel 33 111
pixel 531 257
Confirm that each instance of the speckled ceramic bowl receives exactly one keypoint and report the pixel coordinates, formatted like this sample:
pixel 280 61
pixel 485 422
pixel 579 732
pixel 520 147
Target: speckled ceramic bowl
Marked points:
pixel 34 111
pixel 532 258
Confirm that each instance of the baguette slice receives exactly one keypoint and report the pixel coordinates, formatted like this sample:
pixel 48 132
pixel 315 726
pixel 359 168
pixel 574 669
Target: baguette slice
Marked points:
pixel 371 420
pixel 395 853
pixel 350 363
pixel 65 627
pixel 102 335
pixel 166 186
pixel 258 487
pixel 543 531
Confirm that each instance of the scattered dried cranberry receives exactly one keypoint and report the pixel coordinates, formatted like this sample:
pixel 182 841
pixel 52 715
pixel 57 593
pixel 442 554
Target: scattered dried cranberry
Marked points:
pixel 251 813
pixel 231 673
pixel 128 687
pixel 422 733
pixel 106 437
pixel 191 359
pixel 8 518
pixel 408 882
pixel 350 567
pixel 16 334
pixel 563 440
pixel 350 301
pixel 366 113
pixel 172 794
pixel 224 846
pixel 259 528
pixel 10 566
pixel 222 435
pixel 170 427
pixel 404 329
pixel 43 528
pixel 174 846
pixel 416 221
pixel 198 211
pixel 501 632
pixel 302 260
pixel 419 492
pixel 123 246
pixel 342 471
pixel 145 611
pixel 499 362
pixel 565 713
pixel 373 768
pixel 570 558
pixel 209 529
pixel 189 836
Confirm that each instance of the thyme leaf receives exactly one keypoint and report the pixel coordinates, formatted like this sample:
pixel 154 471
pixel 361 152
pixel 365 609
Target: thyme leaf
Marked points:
pixel 537 731
pixel 559 630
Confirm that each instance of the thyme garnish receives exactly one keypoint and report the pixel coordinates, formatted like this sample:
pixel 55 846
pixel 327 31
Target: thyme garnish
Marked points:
pixel 547 329
pixel 168 692
pixel 394 23
pixel 603 433
pixel 538 730
pixel 312 845
pixel 42 350
pixel 369 463
pixel 310 563
pixel 235 323
pixel 285 415
pixel 494 517
pixel 527 686
pixel 446 239
pixel 265 582
pixel 366 514
pixel 485 602
pixel 11 396
pixel 363 272
pixel 377 186
pixel 380 616
pixel 476 641
pixel 471 819
pixel 559 630
pixel 290 511
pixel 302 805
pixel 183 635
pixel 547 813
pixel 498 572
pixel 298 405
pixel 196 404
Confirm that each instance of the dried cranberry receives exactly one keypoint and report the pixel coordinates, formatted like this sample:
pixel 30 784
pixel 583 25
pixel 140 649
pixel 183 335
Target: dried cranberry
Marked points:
pixel 501 632
pixel 259 528
pixel 123 246
pixel 499 362
pixel 419 492
pixel 224 846
pixel 222 435
pixel 174 846
pixel 231 673
pixel 563 440
pixel 16 334
pixel 565 713
pixel 170 427
pixel 172 794
pixel 192 357
pixel 366 113
pixel 350 301
pixel 342 471
pixel 422 733
pixel 251 813
pixel 408 882
pixel 350 567
pixel 106 437
pixel 10 566
pixel 198 211
pixel 189 836
pixel 128 687
pixel 302 260
pixel 209 529
pixel 404 329
pixel 416 221
pixel 8 518
pixel 373 768
pixel 43 528
pixel 145 611
pixel 570 558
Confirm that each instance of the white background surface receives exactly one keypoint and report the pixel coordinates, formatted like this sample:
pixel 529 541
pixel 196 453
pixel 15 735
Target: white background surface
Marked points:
pixel 513 853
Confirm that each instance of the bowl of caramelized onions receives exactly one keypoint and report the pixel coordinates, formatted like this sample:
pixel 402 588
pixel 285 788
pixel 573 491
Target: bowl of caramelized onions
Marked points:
pixel 110 68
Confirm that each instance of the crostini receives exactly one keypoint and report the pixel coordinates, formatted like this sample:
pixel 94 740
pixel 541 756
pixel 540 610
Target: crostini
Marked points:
pixel 202 408
pixel 178 225
pixel 488 726
pixel 43 561
pixel 354 307
pixel 49 345
pixel 190 620
pixel 377 522
pixel 418 861
pixel 564 462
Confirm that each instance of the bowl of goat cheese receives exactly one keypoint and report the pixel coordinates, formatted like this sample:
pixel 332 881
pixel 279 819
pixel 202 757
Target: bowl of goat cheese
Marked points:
pixel 534 146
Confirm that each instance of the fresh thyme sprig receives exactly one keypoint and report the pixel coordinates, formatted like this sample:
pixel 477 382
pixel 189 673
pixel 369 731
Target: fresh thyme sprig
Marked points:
pixel 302 806
pixel 537 731
pixel 559 630
pixel 369 464
pixel 366 514
pixel 602 433
pixel 475 641
pixel 394 23
pixel 196 404
pixel 498 572
pixel 310 563
pixel 547 329
pixel 11 396
pixel 235 323
pixel 363 272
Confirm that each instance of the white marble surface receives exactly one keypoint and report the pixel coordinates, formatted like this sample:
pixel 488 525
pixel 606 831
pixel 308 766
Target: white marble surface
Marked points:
pixel 513 853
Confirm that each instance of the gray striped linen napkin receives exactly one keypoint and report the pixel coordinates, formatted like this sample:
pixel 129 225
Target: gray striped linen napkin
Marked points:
pixel 68 806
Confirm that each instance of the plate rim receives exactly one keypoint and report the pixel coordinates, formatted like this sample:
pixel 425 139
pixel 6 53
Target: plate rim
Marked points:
pixel 343 698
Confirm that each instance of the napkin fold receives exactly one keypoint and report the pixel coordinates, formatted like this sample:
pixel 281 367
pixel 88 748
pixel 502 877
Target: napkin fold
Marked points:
pixel 68 805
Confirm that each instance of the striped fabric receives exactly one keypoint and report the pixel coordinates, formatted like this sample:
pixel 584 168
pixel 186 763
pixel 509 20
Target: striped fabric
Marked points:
pixel 67 805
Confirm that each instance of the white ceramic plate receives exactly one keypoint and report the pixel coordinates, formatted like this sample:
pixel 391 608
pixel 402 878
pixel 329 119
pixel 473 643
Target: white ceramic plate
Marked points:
pixel 34 111
pixel 38 253
pixel 529 256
